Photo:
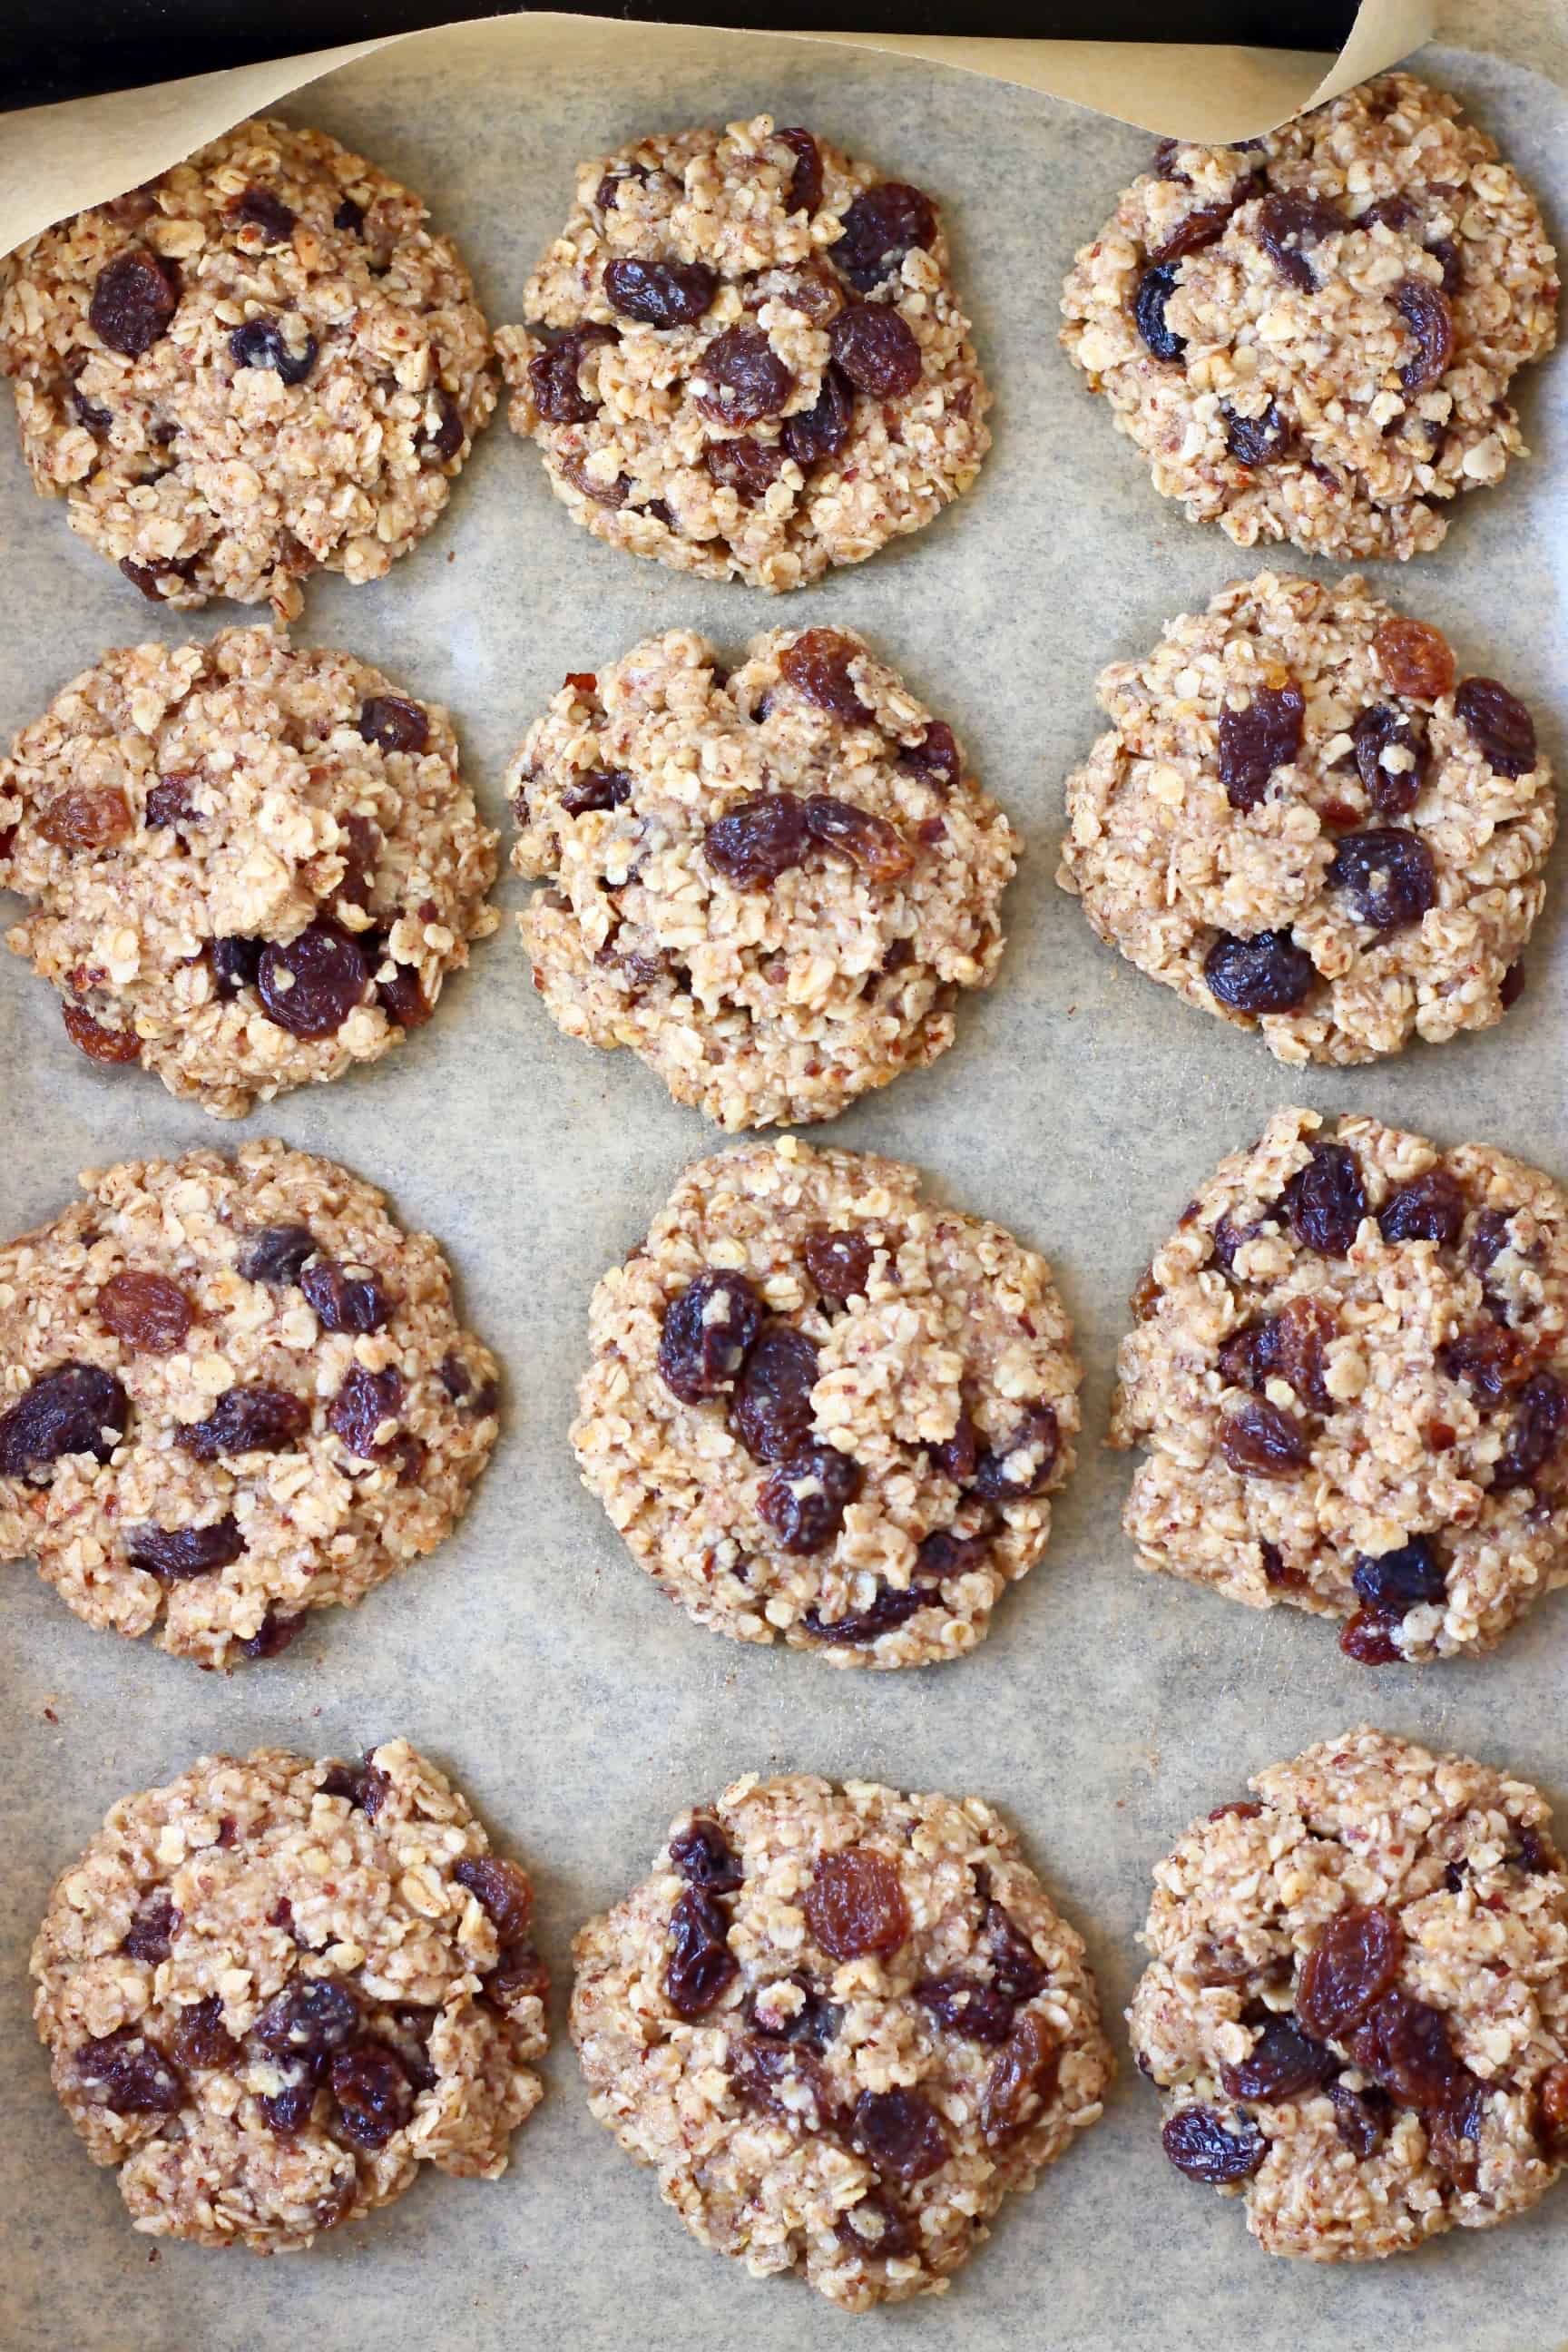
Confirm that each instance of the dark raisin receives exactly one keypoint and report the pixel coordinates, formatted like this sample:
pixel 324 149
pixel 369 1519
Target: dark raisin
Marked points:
pixel 1371 1639
pixel 1498 725
pixel 402 999
pixel 134 298
pixel 868 841
pixel 372 2091
pixel 1018 1969
pixel 704 1857
pixel 350 217
pixel 891 1606
pixel 744 465
pixel 881 227
pixel 278 1255
pixel 1291 1346
pixel 1021 1463
pixel 169 803
pixel 69 1409
pixel 1488 1359
pixel 260 344
pixel 1388 876
pixel 201 2039
pixel 1424 311
pixel 311 2017
pixel 1287 228
pixel 502 1892
pixel 311 986
pixel 1403 2043
pixel 779 2080
pixel 1394 791
pixel 803 1499
pixel 1415 659
pixel 446 438
pixel 1022 2080
pixel 1266 973
pixel 1552 2108
pixel 1262 1441
pixel 759 838
pixel 146 1310
pixel 1430 1208
pixel 838 1262
pixel 248 1420
pixel 746 379
pixel 813 435
pixel 236 962
pixel 1454 2126
pixel 1394 1582
pixel 877 2230
pixel 1198 2143
pixel 1326 1200
pixel 1360 2118
pixel 804 192
pixel 596 485
pixel 900 2133
pixel 363 1404
pixel 707 1331
pixel 963 2005
pixel 273 1635
pixel 90 817
pixel 1282 2063
pixel 812 2021
pixel 1259 440
pixel 1489 1240
pixel 1348 1969
pixel 1540 1419
pixel 877 350
pixel 87 412
pixel 769 1410
pixel 265 210
pixel 129 2074
pixel 176 1554
pixel 98 1044
pixel 935 756
pixel 957 1457
pixel 856 1903
pixel 554 381
pixel 1254 741
pixel 659 293
pixel 152 1928
pixel 1535 1854
pixel 394 723
pixel 1154 291
pixel 700 1966
pixel 345 1301
pixel 288 2111
pixel 1511 987
pixel 600 788
pixel 817 663
pixel 1198 230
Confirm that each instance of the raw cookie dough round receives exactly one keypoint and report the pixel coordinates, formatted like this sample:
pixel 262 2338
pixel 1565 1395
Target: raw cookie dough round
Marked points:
pixel 1357 2012
pixel 1351 1372
pixel 821 1407
pixel 1312 337
pixel 745 356
pixel 842 2024
pixel 771 884
pixel 260 363
pixel 230 1391
pixel 1304 820
pixel 273 1988
pixel 252 864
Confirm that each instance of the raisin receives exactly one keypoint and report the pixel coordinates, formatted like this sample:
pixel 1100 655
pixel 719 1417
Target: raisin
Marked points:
pixel 804 1500
pixel 1541 1415
pixel 868 841
pixel 350 217
pixel 1326 1200
pixel 1288 228
pixel 146 1310
pixel 176 1554
pixel 1259 440
pixel 501 1890
pixel 1198 2143
pixel 373 2092
pixel 700 1966
pixel 1394 791
pixel 817 665
pixel 394 723
pixel 1453 2127
pixel 804 192
pixel 69 1409
pixel 1511 987
pixel 1388 876
pixel 935 756
pixel 856 1903
pixel 1154 291
pixel 1023 1462
pixel 957 1457
pixel 1488 1359
pixel 402 999
pixel 287 2111
pixel 248 1420
pixel 892 1606
pixel 660 293
pixel 1498 725
pixel 880 227
pixel 812 2021
pixel 311 2017
pixel 1403 2043
pixel 1370 1638
pixel 1200 229
pixel 813 435
pixel 262 209
pixel 707 1331
pixel 877 350
pixel 1018 1969
pixel 770 1411
pixel 759 838
pixel 1266 973
pixel 1282 2063
pixel 1430 1208
pixel 1022 2080
pixel 876 2229
pixel 1552 2108
pixel 839 1263
pixel 744 465
pixel 553 377
pixel 345 1301
pixel 364 1402
pixel 152 1928
pixel 365 1786
pixel 1245 1809
pixel 98 1044
pixel 1415 658
pixel 278 1255
pixel 134 298
pixel 745 377
pixel 704 1857
pixel 236 963
pixel 1348 1969
pixel 169 803
pixel 963 2005
pixel 1256 741
pixel 201 2039
pixel 361 854
pixel 1489 1239
pixel 1535 1854
pixel 449 432
pixel 311 986
pixel 87 412
pixel 1290 1346
pixel 780 2081
pixel 1424 311
pixel 900 2133
pixel 260 344
pixel 1262 1441
pixel 90 817
pixel 129 2074
pixel 1360 2118
pixel 1394 1582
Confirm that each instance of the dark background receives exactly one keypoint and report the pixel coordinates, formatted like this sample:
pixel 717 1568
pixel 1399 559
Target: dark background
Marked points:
pixel 66 48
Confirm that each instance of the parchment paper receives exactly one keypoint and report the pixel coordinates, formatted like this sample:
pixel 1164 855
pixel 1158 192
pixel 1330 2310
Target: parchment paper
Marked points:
pixel 578 1708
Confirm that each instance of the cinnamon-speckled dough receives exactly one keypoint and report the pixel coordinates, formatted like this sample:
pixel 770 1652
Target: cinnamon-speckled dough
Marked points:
pixel 1341 389
pixel 1400 2124
pixel 926 1368
pixel 642 446
pixel 297 377
pixel 274 1989
pixel 272 1273
pixel 850 2102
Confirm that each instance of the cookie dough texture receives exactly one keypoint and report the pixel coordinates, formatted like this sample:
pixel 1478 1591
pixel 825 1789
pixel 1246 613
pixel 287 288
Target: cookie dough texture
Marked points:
pixel 1181 842
pixel 1335 316
pixel 804 464
pixel 274 1989
pixel 912 1365
pixel 250 1365
pixel 260 364
pixel 763 981
pixel 827 2112
pixel 1459 1859
pixel 1353 1348
pixel 251 864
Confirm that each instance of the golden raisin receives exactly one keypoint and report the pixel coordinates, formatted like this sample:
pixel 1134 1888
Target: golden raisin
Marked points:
pixel 1415 658
pixel 146 1310
pixel 89 816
